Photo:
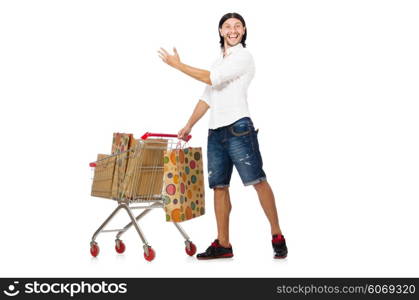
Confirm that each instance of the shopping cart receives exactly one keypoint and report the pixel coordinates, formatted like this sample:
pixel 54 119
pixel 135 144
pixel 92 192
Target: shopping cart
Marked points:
pixel 136 177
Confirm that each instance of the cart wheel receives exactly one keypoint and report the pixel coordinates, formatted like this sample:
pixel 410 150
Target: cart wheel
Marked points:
pixel 94 250
pixel 192 249
pixel 119 246
pixel 151 254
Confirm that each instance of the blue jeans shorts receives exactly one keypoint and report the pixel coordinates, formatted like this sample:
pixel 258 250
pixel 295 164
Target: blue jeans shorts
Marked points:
pixel 237 145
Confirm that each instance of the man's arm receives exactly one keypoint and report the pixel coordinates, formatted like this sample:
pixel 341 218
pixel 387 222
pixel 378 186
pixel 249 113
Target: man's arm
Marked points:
pixel 199 74
pixel 228 70
pixel 200 110
pixel 174 61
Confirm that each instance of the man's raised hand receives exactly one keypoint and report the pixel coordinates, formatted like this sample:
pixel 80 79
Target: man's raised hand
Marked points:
pixel 171 60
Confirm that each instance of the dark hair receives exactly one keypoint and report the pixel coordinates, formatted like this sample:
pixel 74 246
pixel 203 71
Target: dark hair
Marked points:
pixel 229 16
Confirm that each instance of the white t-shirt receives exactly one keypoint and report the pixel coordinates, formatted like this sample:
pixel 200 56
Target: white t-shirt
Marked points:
pixel 230 77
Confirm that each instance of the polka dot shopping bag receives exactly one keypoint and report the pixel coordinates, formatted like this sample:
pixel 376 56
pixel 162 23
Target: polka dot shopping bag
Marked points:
pixel 183 184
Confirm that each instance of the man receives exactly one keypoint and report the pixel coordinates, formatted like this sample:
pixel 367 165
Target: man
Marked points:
pixel 232 139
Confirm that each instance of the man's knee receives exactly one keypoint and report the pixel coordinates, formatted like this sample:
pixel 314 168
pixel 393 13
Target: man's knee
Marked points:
pixel 221 190
pixel 260 186
pixel 221 194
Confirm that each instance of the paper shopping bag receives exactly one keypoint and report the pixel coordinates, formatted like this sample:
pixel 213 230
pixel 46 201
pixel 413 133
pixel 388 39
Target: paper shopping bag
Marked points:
pixel 183 184
pixel 120 144
pixel 103 176
pixel 144 175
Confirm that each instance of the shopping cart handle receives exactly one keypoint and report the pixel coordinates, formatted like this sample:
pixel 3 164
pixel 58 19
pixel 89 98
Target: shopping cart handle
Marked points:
pixel 148 134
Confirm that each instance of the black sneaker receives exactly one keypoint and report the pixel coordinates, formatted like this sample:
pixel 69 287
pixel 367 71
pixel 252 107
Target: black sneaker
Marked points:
pixel 279 245
pixel 216 251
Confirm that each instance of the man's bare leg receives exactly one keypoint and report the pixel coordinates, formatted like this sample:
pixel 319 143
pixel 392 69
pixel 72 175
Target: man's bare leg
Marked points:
pixel 222 207
pixel 267 200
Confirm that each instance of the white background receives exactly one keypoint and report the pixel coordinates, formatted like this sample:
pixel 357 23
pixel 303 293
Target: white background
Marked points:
pixel 335 98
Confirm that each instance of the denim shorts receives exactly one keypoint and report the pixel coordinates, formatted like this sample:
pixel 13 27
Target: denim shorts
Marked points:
pixel 237 145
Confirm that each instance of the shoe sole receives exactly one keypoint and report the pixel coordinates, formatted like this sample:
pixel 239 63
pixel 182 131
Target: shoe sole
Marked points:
pixel 280 257
pixel 216 257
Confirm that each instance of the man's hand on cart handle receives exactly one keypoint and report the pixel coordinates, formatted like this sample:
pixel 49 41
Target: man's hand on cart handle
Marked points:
pixel 184 132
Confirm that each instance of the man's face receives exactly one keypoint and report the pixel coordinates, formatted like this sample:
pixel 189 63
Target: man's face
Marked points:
pixel 232 31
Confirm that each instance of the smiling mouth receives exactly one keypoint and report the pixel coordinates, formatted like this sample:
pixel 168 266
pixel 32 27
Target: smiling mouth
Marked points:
pixel 233 37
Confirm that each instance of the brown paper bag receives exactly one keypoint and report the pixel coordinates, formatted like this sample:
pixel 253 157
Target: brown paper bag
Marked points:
pixel 103 176
pixel 144 175
pixel 120 144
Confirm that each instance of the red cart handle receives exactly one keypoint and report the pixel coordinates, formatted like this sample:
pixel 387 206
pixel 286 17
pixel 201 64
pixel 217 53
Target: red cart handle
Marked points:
pixel 148 134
